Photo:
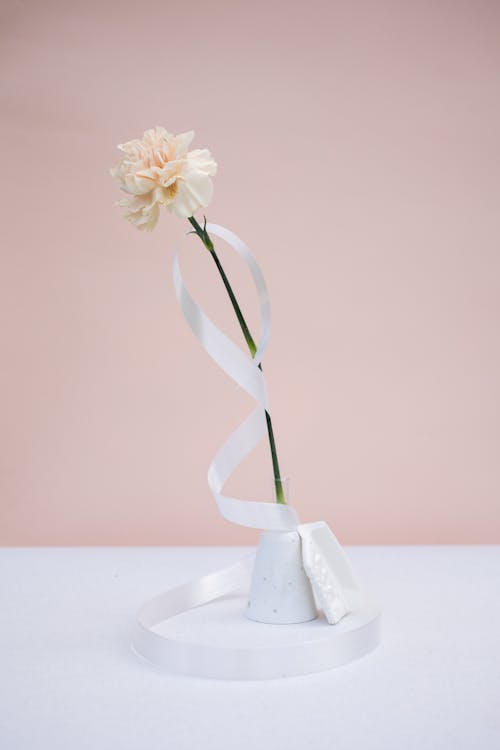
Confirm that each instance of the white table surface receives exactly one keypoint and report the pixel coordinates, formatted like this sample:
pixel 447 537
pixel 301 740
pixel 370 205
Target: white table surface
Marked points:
pixel 70 681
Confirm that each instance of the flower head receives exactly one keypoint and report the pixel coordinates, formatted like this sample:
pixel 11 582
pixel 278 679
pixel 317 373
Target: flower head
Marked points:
pixel 159 170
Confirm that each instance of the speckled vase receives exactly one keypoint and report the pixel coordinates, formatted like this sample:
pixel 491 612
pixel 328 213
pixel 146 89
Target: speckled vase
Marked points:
pixel 280 591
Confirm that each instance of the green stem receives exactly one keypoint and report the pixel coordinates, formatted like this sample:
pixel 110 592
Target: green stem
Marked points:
pixel 207 241
pixel 278 484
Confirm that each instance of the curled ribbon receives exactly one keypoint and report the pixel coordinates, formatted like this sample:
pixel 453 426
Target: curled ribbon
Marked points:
pixel 253 663
pixel 245 371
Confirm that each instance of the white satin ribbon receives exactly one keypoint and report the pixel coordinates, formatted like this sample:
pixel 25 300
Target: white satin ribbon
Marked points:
pixel 244 370
pixel 214 661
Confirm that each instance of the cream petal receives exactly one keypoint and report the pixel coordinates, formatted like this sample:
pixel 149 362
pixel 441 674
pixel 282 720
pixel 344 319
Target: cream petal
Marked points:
pixel 153 136
pixel 181 205
pixel 141 213
pixel 161 195
pixel 169 172
pixel 130 147
pixel 201 159
pixel 162 132
pixel 194 191
pixel 182 143
pixel 159 175
pixel 136 203
pixel 147 221
pixel 137 185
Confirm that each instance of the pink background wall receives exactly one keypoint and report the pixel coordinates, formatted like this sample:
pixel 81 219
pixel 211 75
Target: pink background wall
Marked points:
pixel 358 151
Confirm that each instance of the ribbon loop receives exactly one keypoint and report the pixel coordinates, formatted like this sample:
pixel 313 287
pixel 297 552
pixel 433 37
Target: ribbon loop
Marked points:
pixel 245 371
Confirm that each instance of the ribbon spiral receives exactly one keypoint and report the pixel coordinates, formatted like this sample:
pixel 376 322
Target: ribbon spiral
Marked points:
pixel 245 371
pixel 315 650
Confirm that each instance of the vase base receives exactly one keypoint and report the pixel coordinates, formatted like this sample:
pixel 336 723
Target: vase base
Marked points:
pixel 274 621
pixel 280 591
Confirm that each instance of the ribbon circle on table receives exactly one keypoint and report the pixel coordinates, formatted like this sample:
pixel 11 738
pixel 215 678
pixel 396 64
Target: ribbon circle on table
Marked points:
pixel 303 657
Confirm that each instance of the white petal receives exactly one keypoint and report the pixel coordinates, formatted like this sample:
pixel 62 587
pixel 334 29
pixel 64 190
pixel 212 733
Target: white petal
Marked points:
pixel 169 172
pixel 137 185
pixel 195 191
pixel 148 220
pixel 201 159
pixel 142 211
pixel 182 143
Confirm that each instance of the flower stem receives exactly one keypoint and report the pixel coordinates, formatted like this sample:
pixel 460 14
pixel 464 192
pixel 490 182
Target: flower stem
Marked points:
pixel 207 241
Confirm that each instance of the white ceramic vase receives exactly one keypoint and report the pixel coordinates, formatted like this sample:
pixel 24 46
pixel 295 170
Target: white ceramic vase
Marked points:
pixel 280 591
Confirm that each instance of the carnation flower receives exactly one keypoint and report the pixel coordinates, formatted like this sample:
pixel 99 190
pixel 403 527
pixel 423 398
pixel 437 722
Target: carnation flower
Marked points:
pixel 159 170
